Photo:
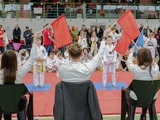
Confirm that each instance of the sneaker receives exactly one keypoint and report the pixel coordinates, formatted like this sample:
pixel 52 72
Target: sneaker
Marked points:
pixel 41 85
pixel 35 85
pixel 104 85
pixel 114 84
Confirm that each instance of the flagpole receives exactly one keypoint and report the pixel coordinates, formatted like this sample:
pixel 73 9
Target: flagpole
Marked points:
pixel 43 29
pixel 135 43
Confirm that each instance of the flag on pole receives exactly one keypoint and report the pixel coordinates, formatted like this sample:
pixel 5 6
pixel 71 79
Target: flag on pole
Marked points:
pixel 128 24
pixel 123 44
pixel 130 32
pixel 139 43
pixel 61 31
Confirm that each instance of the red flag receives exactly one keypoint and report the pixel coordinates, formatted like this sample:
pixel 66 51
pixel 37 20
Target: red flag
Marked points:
pixel 62 34
pixel 128 24
pixel 123 44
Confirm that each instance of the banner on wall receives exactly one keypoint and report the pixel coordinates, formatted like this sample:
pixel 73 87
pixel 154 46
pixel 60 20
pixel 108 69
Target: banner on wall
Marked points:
pixel 125 7
pixel 12 7
pixel 27 7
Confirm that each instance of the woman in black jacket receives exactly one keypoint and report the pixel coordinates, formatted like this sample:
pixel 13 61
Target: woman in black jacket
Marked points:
pixel 17 34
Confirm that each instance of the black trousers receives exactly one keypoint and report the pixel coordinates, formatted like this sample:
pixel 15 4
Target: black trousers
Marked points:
pixel 1 49
pixel 126 106
pixel 21 115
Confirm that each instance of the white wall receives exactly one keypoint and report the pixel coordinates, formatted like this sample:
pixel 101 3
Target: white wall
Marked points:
pixel 36 24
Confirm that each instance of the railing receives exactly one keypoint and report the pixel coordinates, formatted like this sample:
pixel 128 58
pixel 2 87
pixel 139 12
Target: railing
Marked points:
pixel 77 10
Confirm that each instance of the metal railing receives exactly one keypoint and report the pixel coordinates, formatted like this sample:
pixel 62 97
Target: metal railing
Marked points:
pixel 77 10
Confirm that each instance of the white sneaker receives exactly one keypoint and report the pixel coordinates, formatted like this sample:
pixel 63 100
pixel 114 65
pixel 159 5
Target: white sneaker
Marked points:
pixel 42 85
pixel 35 85
pixel 114 84
pixel 104 85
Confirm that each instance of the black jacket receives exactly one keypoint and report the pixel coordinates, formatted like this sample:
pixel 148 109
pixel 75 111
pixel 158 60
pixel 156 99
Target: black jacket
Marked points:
pixel 16 35
pixel 76 101
pixel 28 37
pixel 99 33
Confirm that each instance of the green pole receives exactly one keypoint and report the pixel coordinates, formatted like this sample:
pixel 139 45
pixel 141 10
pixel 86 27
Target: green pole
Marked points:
pixel 30 14
pixel 44 14
pixel 84 11
pixel 135 11
pixel 17 11
pixel 159 15
pixel 3 11
pixel 57 9
pixel 96 14
pixel 70 14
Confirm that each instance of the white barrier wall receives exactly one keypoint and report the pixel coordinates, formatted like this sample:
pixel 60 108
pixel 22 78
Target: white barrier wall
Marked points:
pixel 36 24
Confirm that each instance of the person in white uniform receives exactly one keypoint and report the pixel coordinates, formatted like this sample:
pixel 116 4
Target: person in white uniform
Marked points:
pixel 51 61
pixel 22 57
pixel 76 71
pixel 151 44
pixel 83 39
pixel 94 40
pixel 39 64
pixel 109 60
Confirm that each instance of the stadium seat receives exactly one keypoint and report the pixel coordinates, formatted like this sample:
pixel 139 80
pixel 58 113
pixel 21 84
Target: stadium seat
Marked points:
pixel 145 92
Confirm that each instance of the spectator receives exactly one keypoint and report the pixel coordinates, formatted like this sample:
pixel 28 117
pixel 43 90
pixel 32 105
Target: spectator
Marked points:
pixel 74 32
pixel 47 39
pixel 11 73
pixel 84 29
pixel 94 40
pixel 82 39
pixel 89 35
pixel 145 70
pixel 141 27
pixel 51 61
pixel 147 31
pixel 99 31
pixel 1 39
pixel 17 34
pixel 28 38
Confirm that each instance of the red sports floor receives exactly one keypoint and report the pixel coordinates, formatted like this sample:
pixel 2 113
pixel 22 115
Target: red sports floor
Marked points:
pixel 110 100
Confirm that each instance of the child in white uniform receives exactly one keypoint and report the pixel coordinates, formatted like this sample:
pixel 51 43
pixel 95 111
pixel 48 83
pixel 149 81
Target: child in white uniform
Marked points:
pixel 94 40
pixel 66 54
pixel 151 44
pixel 39 65
pixel 109 59
pixel 60 59
pixel 51 61
pixel 82 40
pixel 23 56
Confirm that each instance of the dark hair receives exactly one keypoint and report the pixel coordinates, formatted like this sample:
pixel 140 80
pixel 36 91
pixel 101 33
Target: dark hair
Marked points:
pixel 75 50
pixel 145 59
pixel 52 52
pixel 109 36
pixel 9 66
pixel 27 27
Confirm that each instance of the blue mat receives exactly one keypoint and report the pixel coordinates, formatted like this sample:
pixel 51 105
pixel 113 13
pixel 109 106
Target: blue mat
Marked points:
pixel 31 87
pixel 119 85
